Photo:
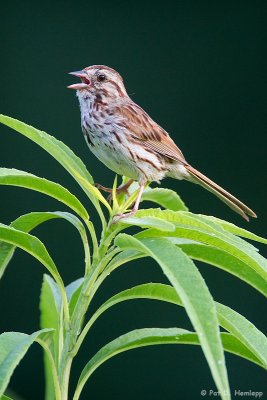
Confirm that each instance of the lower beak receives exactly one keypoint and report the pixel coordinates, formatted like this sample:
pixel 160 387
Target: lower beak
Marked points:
pixel 78 86
pixel 81 85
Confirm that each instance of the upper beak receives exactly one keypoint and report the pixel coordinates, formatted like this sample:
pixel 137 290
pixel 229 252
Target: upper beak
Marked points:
pixel 85 83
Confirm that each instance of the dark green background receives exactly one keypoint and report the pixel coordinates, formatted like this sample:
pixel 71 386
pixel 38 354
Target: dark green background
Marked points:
pixel 199 69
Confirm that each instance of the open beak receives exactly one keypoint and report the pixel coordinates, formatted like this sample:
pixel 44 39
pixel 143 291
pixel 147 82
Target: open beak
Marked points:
pixel 84 84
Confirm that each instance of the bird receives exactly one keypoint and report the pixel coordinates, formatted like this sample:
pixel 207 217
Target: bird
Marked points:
pixel 130 143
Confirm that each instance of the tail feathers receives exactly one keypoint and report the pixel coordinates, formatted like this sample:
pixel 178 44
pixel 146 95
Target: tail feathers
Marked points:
pixel 227 198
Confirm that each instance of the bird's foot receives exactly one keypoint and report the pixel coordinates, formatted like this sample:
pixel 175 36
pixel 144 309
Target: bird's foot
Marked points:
pixel 103 188
pixel 118 217
pixel 121 189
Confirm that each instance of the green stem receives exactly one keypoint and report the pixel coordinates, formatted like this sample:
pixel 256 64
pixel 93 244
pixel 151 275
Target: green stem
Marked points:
pixel 97 284
pixel 102 217
pixel 86 247
pixel 66 378
pixel 101 257
pixel 65 307
pixel 107 258
pixel 91 229
pixel 53 368
pixel 111 232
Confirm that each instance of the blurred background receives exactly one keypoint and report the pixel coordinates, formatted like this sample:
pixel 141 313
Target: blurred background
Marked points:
pixel 199 69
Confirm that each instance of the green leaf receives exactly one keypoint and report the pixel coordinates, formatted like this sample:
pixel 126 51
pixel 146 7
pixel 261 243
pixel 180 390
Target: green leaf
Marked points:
pixel 51 310
pixel 229 227
pixel 28 222
pixel 149 222
pixel 225 261
pixel 245 331
pixel 166 198
pixel 191 227
pixel 153 336
pixel 51 317
pixel 31 245
pixel 120 259
pixel 64 155
pixel 234 346
pixel 13 346
pixel 128 341
pixel 5 398
pixel 24 179
pixel 73 291
pixel 188 220
pixel 57 149
pixel 229 319
pixel 194 294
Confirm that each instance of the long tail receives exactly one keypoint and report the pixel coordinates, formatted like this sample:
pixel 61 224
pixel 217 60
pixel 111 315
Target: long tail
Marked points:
pixel 227 198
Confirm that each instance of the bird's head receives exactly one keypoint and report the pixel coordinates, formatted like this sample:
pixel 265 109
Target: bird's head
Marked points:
pixel 99 79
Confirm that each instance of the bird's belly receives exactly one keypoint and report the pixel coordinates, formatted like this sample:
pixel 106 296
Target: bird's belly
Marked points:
pixel 114 160
pixel 112 156
pixel 114 150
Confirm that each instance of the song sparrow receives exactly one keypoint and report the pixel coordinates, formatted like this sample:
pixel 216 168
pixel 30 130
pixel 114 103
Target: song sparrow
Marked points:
pixel 124 137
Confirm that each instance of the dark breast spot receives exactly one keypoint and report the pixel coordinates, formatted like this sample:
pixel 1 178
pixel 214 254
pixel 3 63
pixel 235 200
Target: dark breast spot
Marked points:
pixel 98 98
pixel 117 136
pixel 88 138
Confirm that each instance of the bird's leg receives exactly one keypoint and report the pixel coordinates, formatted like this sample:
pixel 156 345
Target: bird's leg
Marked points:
pixel 117 217
pixel 121 189
pixel 103 188
pixel 124 188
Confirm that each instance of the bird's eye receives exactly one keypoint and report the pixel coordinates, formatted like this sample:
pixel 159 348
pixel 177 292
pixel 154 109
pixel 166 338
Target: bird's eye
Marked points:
pixel 101 77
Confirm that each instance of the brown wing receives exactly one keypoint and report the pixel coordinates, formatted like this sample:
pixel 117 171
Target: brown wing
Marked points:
pixel 148 132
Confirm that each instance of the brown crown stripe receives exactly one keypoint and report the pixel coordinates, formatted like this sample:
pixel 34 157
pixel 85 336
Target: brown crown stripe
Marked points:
pixel 103 67
pixel 121 94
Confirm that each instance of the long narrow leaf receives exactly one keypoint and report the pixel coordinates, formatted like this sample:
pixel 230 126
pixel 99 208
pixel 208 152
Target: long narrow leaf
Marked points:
pixel 229 319
pixel 64 155
pixel 28 222
pixel 31 245
pixel 51 317
pixel 191 227
pixel 198 222
pixel 194 294
pixel 225 261
pixel 16 177
pixel 166 198
pixel 73 291
pixel 229 227
pixel 13 346
pixel 128 341
pixel 245 331
pixel 149 222
pixel 154 336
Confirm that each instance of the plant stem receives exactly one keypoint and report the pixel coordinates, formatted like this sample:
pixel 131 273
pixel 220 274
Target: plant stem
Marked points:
pixel 87 253
pixel 91 229
pixel 101 257
pixel 53 368
pixel 66 378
